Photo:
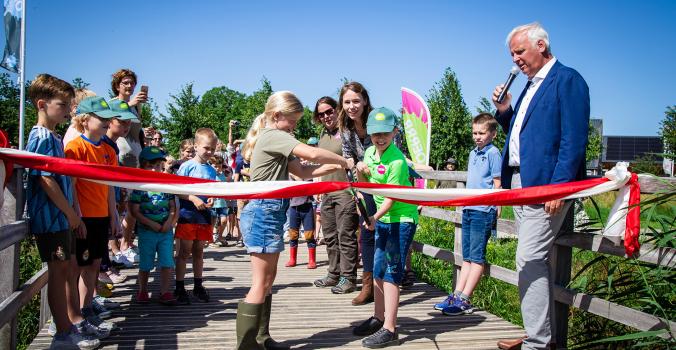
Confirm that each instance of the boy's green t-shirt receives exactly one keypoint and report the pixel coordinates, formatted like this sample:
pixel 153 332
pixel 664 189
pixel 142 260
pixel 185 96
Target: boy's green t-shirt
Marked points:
pixel 391 169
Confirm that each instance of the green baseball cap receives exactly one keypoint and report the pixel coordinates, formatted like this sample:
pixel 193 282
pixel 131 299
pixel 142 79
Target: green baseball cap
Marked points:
pixel 381 120
pixel 122 109
pixel 151 153
pixel 96 105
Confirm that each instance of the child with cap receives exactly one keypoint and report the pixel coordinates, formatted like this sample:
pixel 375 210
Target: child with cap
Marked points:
pixel 155 213
pixel 395 224
pixel 96 201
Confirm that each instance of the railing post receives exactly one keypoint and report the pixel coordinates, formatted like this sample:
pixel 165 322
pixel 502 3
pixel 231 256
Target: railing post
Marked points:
pixel 561 264
pixel 457 241
pixel 9 258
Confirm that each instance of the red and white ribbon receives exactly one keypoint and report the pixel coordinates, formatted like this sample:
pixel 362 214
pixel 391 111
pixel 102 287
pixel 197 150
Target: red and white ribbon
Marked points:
pixel 624 218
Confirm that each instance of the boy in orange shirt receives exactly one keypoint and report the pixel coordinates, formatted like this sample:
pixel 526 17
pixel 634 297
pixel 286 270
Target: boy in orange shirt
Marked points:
pixel 97 201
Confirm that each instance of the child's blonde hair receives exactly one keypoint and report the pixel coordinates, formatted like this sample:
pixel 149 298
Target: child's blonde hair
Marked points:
pixel 185 144
pixel 284 102
pixel 78 120
pixel 205 134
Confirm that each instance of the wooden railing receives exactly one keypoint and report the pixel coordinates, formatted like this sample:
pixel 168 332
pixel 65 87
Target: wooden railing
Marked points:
pixel 561 261
pixel 14 297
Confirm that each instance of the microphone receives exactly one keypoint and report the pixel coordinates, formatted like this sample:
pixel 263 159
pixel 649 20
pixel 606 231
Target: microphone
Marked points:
pixel 510 79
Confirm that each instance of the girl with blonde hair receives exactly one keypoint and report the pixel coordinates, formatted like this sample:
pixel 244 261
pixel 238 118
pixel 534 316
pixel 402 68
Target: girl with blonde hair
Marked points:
pixel 273 153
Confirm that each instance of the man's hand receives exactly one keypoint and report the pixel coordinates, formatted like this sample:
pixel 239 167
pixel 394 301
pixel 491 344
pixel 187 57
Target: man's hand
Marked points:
pixel 502 107
pixel 554 207
pixel 199 204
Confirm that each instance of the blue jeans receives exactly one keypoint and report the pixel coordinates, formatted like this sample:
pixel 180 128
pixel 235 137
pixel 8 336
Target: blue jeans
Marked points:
pixel 476 230
pixel 392 244
pixel 262 225
pixel 368 246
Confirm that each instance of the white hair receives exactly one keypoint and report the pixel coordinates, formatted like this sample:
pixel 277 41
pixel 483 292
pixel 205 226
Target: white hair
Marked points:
pixel 534 32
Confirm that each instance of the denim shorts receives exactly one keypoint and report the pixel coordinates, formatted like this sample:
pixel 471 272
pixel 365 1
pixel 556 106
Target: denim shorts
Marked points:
pixel 476 230
pixel 219 212
pixel 262 225
pixel 392 244
pixel 155 243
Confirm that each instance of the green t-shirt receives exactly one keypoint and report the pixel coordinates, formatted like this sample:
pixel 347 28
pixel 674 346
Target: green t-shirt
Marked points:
pixel 391 169
pixel 271 155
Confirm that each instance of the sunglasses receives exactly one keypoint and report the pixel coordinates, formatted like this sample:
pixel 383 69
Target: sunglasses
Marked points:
pixel 326 113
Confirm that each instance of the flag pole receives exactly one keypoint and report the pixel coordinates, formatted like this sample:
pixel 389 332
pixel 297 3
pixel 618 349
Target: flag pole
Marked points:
pixel 22 76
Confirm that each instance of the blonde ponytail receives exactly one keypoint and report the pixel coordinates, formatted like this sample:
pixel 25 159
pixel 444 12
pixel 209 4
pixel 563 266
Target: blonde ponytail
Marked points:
pixel 284 102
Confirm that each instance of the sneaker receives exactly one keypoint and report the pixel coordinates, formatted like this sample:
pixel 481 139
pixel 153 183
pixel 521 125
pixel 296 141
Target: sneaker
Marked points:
pixel 368 327
pixel 327 281
pixel 344 286
pixel 459 307
pixel 116 276
pixel 121 259
pixel 215 237
pixel 51 330
pixel 75 341
pixel 446 303
pixel 100 310
pixel 201 294
pixel 381 339
pixel 142 297
pixel 167 299
pixel 87 329
pixel 240 244
pixel 182 297
pixel 104 290
pixel 106 303
pixel 131 255
pixel 104 278
pixel 98 322
pixel 228 237
pixel 409 279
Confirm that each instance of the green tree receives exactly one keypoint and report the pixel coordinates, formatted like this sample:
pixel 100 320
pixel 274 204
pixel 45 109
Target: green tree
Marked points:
pixel 9 109
pixel 486 106
pixel 220 105
pixel 594 144
pixel 79 83
pixel 452 122
pixel 185 116
pixel 668 131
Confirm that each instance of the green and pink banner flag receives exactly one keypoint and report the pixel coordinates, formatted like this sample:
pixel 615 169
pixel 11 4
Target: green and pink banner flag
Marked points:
pixel 417 127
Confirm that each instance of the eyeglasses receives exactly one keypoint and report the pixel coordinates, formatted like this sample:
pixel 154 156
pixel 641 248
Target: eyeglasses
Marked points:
pixel 326 113
pixel 157 139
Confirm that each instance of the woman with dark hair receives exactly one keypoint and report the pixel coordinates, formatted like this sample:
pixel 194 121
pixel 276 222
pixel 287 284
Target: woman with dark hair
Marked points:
pixel 354 106
pixel 339 214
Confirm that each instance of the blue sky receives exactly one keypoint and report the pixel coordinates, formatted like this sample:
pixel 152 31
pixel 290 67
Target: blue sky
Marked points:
pixel 624 49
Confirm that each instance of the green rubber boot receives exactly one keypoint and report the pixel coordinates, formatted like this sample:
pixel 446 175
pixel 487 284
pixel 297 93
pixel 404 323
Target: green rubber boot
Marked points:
pixel 264 339
pixel 248 319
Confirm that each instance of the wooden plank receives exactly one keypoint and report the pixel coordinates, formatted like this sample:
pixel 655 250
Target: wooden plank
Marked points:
pixel 303 317
pixel 10 306
pixel 561 258
pixel 13 233
pixel 597 243
pixel 654 184
pixel 612 311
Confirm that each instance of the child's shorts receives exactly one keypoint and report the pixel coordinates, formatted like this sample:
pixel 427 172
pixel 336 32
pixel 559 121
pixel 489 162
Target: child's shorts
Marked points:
pixel 194 232
pixel 155 243
pixel 96 244
pixel 219 212
pixel 476 230
pixel 392 244
pixel 262 225
pixel 56 246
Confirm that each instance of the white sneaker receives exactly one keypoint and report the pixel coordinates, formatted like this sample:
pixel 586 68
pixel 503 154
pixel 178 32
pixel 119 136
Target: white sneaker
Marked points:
pixel 51 330
pixel 122 259
pixel 116 276
pixel 104 325
pixel 75 341
pixel 106 303
pixel 131 255
pixel 85 328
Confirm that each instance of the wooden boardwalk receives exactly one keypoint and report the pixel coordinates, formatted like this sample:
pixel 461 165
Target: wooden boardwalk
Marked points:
pixel 305 317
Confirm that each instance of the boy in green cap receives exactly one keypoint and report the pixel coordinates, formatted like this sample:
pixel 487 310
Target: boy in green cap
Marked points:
pixel 395 224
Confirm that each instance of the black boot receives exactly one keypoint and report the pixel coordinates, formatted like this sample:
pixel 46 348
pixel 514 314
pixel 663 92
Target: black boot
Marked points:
pixel 248 318
pixel 264 339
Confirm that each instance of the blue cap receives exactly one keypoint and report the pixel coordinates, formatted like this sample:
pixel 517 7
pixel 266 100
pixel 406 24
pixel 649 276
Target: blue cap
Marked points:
pixel 381 120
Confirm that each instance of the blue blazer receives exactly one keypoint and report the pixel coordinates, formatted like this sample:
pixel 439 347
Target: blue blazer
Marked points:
pixel 553 137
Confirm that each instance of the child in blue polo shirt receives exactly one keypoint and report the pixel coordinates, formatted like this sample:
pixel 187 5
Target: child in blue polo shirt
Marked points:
pixel 483 171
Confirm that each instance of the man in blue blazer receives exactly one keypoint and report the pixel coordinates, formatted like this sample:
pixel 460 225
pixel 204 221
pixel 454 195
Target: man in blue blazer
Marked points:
pixel 546 143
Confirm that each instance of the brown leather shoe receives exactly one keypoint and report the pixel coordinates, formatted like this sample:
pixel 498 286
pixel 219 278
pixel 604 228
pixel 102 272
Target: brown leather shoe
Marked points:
pixel 366 294
pixel 511 344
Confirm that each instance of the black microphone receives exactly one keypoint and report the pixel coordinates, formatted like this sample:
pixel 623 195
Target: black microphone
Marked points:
pixel 510 79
